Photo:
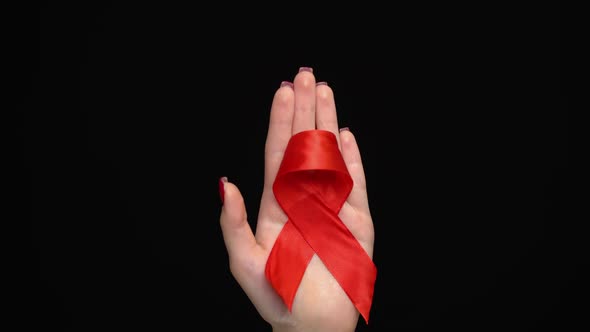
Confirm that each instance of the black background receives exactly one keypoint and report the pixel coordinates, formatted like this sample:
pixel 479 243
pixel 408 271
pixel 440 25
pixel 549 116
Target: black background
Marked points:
pixel 133 110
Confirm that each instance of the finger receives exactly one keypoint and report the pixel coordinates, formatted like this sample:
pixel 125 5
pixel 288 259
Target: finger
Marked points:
pixel 325 114
pixel 237 234
pixel 304 85
pixel 352 159
pixel 279 131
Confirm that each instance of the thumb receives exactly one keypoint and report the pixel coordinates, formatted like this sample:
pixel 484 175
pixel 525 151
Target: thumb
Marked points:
pixel 237 234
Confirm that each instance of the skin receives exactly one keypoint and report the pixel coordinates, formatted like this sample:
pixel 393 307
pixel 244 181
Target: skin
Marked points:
pixel 320 304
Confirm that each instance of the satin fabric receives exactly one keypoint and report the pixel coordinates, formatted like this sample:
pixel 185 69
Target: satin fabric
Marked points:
pixel 311 186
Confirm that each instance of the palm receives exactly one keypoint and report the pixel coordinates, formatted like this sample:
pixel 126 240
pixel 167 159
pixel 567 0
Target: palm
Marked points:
pixel 320 302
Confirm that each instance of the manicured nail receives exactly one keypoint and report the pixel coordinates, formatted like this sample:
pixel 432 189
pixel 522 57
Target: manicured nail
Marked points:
pixel 287 83
pixel 309 69
pixel 222 181
pixel 321 83
pixel 344 129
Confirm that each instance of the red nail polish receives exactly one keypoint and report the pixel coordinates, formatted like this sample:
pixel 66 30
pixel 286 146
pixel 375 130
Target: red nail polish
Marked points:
pixel 222 181
pixel 309 69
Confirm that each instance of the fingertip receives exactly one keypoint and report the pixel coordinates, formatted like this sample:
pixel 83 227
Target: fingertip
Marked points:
pixel 304 80
pixel 233 204
pixel 346 136
pixel 324 94
pixel 283 97
pixel 286 84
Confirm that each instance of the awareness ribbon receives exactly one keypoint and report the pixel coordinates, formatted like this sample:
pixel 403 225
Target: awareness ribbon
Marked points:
pixel 311 187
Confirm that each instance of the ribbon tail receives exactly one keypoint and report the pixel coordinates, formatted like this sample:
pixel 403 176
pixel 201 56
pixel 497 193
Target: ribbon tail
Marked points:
pixel 287 263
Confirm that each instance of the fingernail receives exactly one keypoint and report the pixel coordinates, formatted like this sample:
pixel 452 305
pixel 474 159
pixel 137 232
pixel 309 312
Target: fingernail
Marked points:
pixel 287 83
pixel 222 181
pixel 309 69
pixel 344 129
pixel 321 83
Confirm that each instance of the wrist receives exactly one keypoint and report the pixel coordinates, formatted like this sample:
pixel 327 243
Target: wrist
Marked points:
pixel 309 329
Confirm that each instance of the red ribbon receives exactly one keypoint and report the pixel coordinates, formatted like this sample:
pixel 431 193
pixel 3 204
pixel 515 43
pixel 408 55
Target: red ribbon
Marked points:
pixel 311 186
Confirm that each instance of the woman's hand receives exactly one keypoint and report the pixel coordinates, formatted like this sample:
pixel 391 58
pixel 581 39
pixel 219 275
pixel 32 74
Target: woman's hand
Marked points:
pixel 320 304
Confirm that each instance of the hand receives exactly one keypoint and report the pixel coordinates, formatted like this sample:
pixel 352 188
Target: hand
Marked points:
pixel 320 303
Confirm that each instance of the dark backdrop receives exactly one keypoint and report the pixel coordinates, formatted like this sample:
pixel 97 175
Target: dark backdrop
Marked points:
pixel 133 110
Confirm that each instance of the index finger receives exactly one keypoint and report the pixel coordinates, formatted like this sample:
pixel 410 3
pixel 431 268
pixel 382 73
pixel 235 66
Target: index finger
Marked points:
pixel 279 131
